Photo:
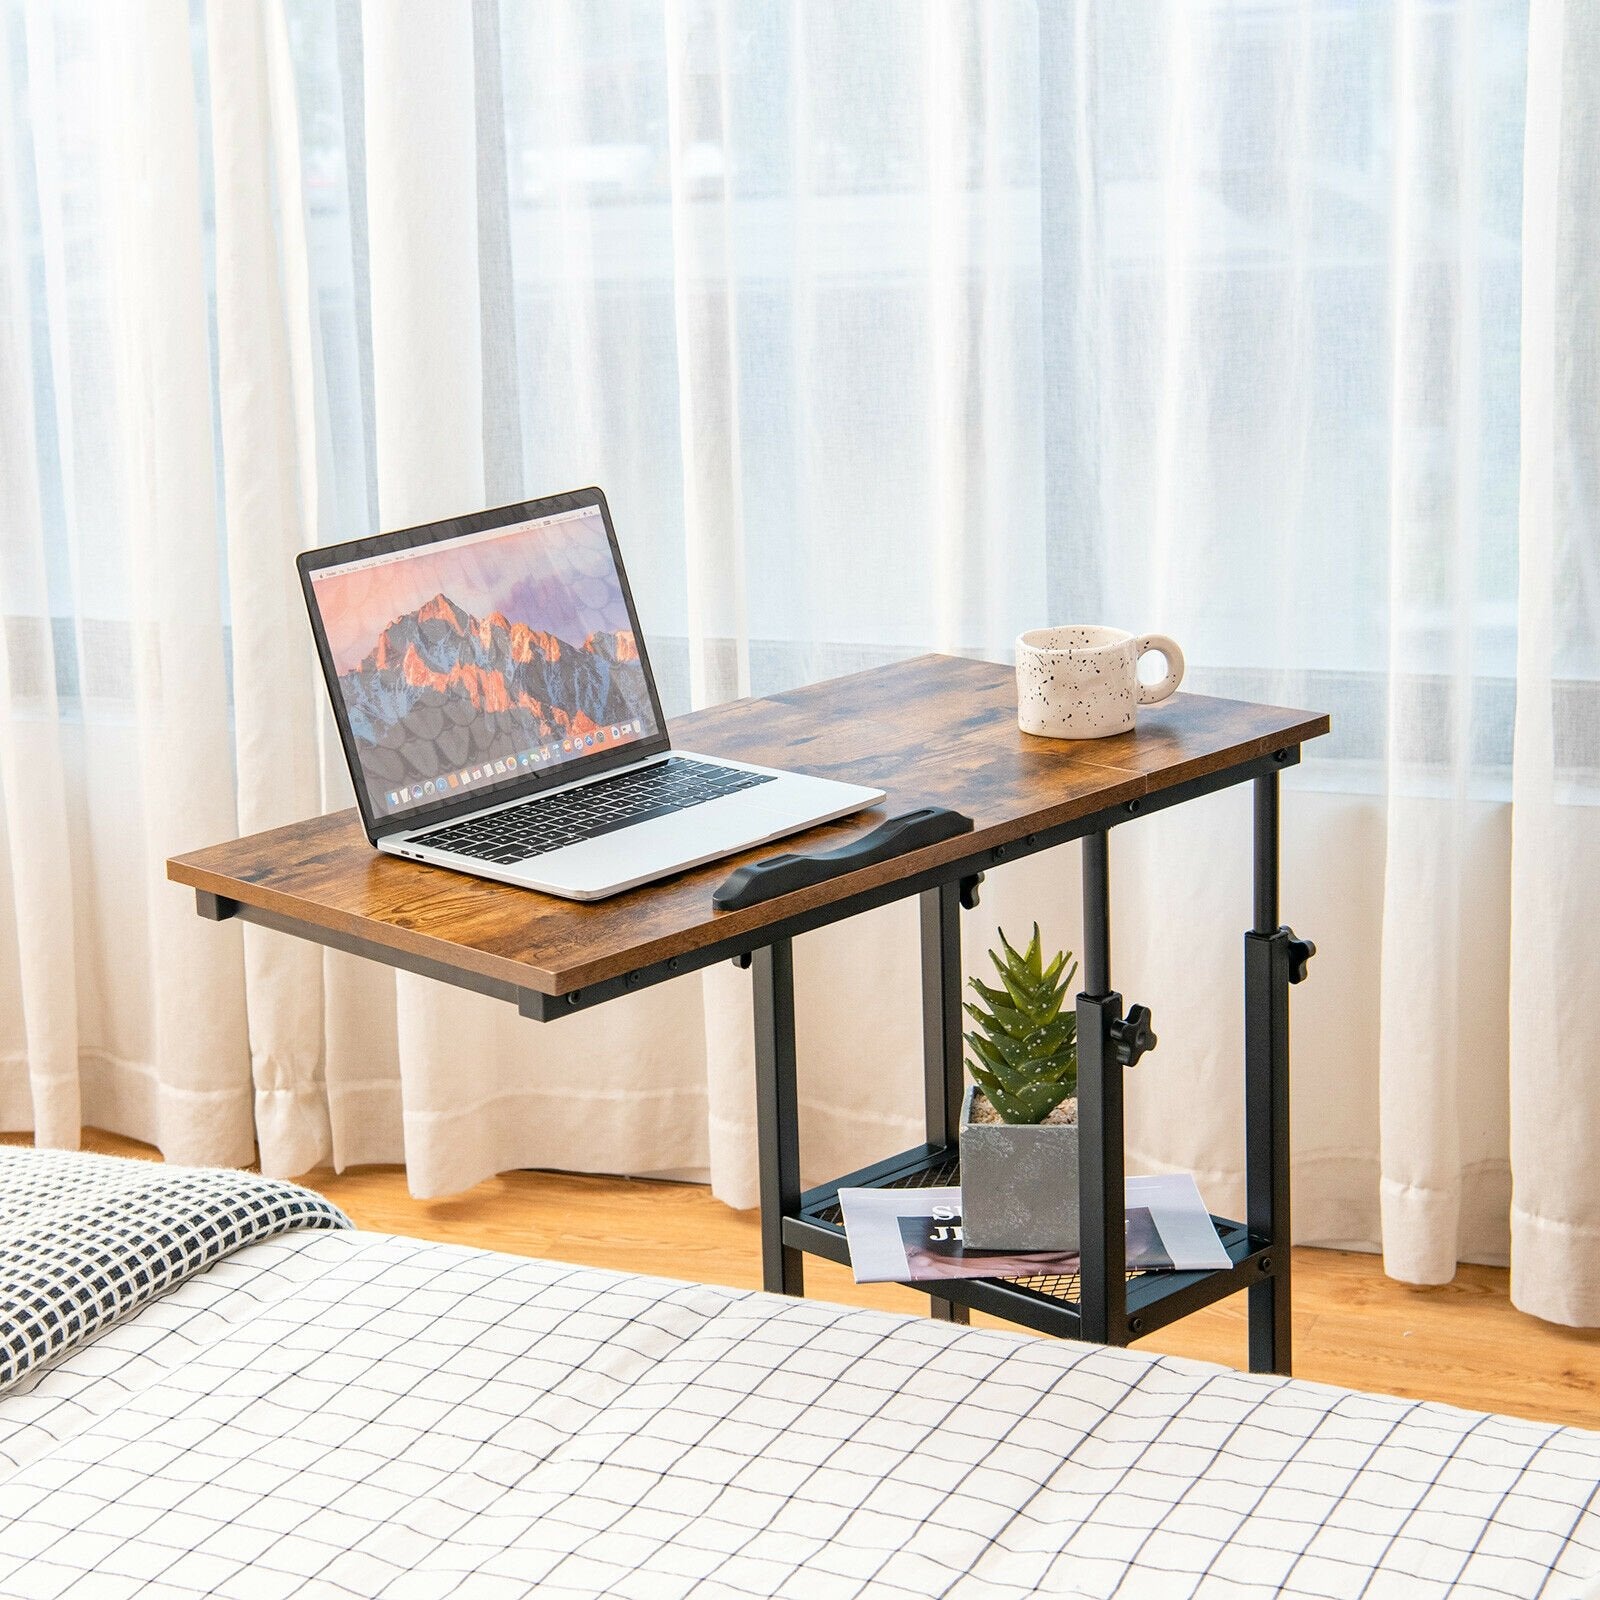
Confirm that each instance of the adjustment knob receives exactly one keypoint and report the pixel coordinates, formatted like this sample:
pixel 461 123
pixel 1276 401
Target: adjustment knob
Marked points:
pixel 1132 1035
pixel 1300 954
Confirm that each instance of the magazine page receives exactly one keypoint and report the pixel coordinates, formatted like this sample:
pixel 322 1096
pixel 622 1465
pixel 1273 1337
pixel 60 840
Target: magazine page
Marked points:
pixel 914 1235
pixel 933 1249
pixel 1180 1216
pixel 872 1226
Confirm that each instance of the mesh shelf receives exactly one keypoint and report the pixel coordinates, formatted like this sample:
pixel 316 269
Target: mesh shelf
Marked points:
pixel 943 1171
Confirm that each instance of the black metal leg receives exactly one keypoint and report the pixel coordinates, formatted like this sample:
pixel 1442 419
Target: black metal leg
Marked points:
pixel 943 1078
pixel 941 1034
pixel 1267 957
pixel 777 1115
pixel 1102 1233
pixel 1266 853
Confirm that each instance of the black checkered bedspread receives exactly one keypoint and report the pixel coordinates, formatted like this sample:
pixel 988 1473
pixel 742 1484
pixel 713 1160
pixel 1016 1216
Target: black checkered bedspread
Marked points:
pixel 348 1414
pixel 85 1240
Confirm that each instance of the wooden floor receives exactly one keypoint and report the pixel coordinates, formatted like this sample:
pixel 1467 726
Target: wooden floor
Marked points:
pixel 1462 1343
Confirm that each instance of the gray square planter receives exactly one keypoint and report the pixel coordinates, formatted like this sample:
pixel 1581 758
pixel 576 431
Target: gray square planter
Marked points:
pixel 1019 1184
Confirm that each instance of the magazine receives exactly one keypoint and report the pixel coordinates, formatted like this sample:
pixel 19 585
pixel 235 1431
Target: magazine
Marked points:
pixel 914 1235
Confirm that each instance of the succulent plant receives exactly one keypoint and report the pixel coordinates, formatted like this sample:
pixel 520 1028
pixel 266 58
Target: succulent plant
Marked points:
pixel 1025 1051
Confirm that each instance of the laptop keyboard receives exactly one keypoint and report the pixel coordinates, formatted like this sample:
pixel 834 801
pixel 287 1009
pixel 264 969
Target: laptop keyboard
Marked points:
pixel 549 822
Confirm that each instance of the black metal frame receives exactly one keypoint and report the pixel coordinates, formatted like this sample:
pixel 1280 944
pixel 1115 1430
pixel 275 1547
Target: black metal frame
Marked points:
pixel 1109 1307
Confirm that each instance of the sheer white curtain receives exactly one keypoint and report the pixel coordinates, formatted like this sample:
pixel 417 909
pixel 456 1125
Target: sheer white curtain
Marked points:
pixel 1555 823
pixel 1293 382
pixel 117 727
pixel 887 327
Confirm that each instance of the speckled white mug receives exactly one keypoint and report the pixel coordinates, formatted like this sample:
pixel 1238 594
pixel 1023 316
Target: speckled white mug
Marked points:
pixel 1083 682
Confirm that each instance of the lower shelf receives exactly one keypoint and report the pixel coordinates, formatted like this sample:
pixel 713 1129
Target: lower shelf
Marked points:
pixel 1048 1304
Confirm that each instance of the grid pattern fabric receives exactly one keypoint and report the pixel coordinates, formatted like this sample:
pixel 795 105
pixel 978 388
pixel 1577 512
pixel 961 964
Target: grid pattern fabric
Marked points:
pixel 86 1239
pixel 348 1414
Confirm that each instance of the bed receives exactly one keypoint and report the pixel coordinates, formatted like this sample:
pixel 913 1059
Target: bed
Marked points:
pixel 312 1409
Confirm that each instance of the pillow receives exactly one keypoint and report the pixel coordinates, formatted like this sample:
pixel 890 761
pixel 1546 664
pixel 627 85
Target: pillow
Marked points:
pixel 87 1239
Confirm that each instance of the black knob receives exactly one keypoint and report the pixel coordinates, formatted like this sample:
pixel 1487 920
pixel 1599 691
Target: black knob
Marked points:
pixel 1300 954
pixel 969 891
pixel 1132 1035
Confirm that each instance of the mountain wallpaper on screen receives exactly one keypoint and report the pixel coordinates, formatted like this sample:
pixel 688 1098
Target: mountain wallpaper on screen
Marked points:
pixel 443 689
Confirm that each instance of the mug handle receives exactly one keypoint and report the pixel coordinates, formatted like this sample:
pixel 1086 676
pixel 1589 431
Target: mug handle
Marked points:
pixel 1151 694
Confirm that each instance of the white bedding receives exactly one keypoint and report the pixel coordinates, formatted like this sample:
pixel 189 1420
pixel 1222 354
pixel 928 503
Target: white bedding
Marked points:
pixel 346 1413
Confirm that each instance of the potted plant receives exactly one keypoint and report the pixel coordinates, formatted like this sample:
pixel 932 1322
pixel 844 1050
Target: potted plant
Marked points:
pixel 1019 1125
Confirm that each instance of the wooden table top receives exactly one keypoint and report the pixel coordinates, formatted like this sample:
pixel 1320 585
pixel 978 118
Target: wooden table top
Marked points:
pixel 937 730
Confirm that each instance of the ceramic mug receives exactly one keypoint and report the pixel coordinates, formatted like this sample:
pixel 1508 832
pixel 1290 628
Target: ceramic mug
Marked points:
pixel 1083 682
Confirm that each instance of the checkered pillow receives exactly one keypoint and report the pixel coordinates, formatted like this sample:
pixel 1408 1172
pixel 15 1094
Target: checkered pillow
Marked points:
pixel 85 1239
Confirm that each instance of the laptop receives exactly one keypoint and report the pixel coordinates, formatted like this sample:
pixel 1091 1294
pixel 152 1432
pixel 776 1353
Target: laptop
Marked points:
pixel 496 705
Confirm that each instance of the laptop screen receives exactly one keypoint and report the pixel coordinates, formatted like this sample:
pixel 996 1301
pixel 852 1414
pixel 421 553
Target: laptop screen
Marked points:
pixel 468 661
